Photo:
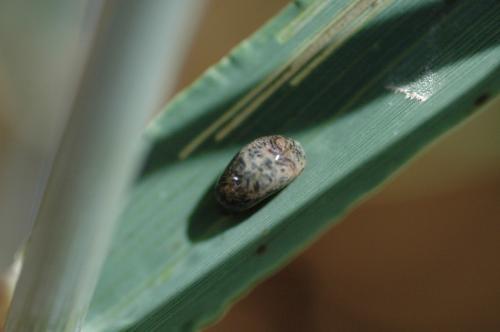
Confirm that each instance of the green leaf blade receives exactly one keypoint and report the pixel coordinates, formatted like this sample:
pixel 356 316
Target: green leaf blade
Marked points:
pixel 177 260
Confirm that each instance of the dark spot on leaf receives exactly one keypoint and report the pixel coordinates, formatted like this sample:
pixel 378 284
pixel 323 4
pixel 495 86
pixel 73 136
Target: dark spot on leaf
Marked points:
pixel 261 250
pixel 482 99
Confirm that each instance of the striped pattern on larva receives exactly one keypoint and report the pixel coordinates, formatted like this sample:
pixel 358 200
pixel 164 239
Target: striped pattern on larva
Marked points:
pixel 259 170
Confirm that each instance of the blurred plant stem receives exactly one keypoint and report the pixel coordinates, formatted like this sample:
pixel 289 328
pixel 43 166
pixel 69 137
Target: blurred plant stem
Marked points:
pixel 7 283
pixel 136 49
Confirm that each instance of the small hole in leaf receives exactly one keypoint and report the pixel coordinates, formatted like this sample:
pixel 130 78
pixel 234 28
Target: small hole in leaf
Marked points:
pixel 482 99
pixel 261 250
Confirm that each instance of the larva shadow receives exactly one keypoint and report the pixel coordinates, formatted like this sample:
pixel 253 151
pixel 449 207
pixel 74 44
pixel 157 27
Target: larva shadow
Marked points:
pixel 210 219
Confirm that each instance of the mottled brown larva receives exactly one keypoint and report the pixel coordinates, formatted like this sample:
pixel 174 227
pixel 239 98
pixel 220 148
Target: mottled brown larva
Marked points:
pixel 258 170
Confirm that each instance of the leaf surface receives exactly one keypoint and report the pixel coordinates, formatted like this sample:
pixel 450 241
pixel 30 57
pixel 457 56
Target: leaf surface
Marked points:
pixel 363 85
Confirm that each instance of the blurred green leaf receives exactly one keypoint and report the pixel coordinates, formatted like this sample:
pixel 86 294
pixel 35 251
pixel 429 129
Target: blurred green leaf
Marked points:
pixel 363 85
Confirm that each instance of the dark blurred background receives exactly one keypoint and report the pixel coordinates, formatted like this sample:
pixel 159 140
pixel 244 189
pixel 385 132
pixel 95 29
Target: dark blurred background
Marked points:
pixel 421 254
